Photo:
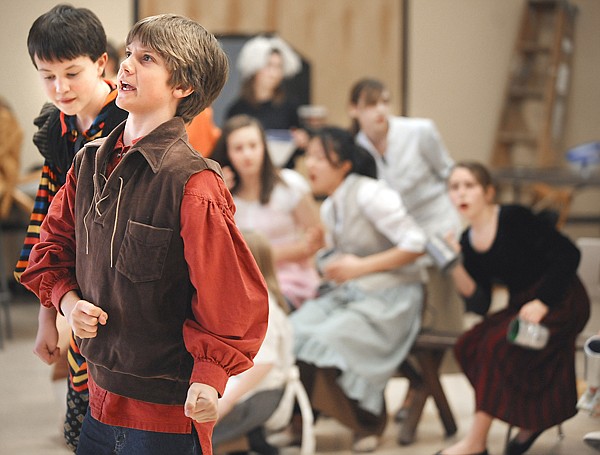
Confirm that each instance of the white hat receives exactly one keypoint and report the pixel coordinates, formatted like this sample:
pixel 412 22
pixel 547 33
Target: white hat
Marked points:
pixel 255 55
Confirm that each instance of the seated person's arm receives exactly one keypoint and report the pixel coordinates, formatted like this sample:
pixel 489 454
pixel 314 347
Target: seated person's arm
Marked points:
pixel 465 285
pixel 348 266
pixel 384 208
pixel 307 217
pixel 242 385
pixel 477 297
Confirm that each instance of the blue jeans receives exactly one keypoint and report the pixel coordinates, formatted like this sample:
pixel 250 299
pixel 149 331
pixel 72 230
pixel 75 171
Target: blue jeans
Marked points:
pixel 98 438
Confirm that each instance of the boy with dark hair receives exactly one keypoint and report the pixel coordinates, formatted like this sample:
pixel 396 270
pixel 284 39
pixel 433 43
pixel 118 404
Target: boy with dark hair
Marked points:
pixel 67 46
pixel 141 254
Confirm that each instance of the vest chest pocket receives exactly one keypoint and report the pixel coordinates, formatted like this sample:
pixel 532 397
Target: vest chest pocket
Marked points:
pixel 143 252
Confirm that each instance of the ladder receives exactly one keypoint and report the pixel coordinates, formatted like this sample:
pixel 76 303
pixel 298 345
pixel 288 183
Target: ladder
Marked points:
pixel 533 115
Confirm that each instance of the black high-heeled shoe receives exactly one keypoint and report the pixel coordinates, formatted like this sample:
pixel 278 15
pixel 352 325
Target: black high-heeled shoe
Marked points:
pixel 515 447
pixel 258 442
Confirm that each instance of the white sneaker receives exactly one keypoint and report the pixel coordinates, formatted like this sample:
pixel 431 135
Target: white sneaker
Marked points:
pixel 593 439
pixel 589 401
pixel 365 444
pixel 285 438
pixel 586 401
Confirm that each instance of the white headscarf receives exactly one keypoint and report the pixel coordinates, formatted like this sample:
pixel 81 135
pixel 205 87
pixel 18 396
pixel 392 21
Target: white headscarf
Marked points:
pixel 255 55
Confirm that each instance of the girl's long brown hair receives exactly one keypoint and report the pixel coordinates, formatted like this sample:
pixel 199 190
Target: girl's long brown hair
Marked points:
pixel 479 171
pixel 371 89
pixel 263 255
pixel 269 175
pixel 482 176
pixel 248 93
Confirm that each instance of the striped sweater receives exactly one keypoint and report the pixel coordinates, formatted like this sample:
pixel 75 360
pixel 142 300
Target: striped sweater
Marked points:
pixel 57 140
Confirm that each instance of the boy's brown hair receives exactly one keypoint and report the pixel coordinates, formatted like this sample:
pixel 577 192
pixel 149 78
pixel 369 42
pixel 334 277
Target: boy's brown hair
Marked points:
pixel 66 33
pixel 192 55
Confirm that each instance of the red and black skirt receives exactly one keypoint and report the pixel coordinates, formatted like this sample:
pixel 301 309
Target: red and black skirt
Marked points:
pixel 530 389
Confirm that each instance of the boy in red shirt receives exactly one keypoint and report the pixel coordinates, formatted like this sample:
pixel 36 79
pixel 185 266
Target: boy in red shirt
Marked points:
pixel 141 254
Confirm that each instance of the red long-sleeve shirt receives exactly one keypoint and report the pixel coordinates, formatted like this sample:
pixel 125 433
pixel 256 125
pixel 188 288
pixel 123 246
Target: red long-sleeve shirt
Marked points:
pixel 216 318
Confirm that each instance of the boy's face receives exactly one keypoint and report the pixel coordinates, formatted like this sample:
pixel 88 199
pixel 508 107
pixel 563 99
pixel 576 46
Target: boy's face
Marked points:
pixel 71 84
pixel 144 87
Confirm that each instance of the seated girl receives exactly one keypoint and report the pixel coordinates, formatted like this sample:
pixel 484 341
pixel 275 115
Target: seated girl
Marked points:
pixel 352 339
pixel 508 244
pixel 251 398
pixel 275 202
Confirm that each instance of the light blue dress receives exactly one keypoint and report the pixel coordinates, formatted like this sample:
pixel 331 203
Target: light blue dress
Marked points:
pixel 364 327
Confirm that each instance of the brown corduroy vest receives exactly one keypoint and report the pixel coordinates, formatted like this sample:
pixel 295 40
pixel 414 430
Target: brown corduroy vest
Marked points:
pixel 130 262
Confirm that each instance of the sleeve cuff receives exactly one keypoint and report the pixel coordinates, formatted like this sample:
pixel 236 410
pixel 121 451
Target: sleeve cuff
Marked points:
pixel 211 373
pixel 60 289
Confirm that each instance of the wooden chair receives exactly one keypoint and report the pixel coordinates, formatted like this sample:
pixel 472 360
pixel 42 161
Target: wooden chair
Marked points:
pixel 556 201
pixel 422 369
pixel 422 366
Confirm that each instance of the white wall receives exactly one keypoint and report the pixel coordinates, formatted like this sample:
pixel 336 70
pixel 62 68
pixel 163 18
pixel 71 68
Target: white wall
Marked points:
pixel 19 82
pixel 459 55
pixel 459 52
pixel 458 62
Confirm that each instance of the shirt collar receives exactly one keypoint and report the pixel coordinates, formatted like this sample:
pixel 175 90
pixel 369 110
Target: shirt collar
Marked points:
pixel 153 147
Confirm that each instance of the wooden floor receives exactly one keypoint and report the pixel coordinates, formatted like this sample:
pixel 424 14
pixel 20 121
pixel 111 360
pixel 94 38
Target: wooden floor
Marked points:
pixel 30 416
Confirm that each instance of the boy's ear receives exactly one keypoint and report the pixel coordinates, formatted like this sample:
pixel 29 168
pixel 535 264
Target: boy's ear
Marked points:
pixel 101 62
pixel 180 92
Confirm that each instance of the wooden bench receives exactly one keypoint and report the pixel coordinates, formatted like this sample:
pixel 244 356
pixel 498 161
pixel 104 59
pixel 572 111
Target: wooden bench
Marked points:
pixel 422 369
